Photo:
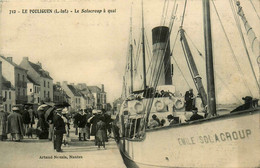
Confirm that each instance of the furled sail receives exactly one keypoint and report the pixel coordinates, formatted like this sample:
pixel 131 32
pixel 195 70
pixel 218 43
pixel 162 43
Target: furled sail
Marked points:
pixel 255 45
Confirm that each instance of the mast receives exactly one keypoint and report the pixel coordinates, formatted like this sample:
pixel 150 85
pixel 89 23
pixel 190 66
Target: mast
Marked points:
pixel 209 58
pixel 255 45
pixel 144 67
pixel 131 56
pixel 194 73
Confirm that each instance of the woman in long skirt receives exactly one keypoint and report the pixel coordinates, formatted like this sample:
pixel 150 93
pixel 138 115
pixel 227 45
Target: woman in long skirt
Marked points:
pixel 101 132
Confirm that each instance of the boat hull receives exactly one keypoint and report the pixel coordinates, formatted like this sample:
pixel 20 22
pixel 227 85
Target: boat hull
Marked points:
pixel 231 140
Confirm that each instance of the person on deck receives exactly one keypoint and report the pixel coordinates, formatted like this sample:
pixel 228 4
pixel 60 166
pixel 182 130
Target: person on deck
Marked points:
pixel 195 115
pixel 3 121
pixel 189 96
pixel 15 125
pixel 171 120
pixel 154 122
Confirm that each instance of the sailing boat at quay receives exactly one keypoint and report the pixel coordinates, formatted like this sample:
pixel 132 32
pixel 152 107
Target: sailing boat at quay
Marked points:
pixel 228 140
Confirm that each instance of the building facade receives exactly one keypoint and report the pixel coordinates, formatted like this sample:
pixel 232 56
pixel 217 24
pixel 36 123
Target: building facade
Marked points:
pixel 88 96
pixel 75 96
pixel 8 94
pixel 99 95
pixel 59 95
pixel 33 91
pixel 17 77
pixel 42 77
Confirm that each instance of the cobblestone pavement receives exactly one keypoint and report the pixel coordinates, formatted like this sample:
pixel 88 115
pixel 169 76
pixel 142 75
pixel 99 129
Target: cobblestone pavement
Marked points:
pixel 34 153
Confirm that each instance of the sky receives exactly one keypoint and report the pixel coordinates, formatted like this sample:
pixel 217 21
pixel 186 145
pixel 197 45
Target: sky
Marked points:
pixel 91 48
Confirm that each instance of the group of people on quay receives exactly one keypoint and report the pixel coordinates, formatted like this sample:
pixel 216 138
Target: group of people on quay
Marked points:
pixel 54 123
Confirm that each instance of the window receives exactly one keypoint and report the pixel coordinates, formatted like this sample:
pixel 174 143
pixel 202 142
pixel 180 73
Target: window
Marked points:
pixel 35 89
pixel 38 100
pixel 23 92
pixel 23 78
pixel 18 77
pixel 48 84
pixel 5 107
pixel 31 90
pixel 44 94
pixel 18 92
pixel 10 95
pixel 76 100
pixel 48 94
pixel 44 83
pixel 5 94
pixel 10 107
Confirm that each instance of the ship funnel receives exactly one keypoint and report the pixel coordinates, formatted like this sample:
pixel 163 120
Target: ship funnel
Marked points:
pixel 161 55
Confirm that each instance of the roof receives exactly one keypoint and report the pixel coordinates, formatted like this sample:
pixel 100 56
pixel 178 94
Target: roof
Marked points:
pixel 6 85
pixel 94 89
pixel 32 81
pixel 39 70
pixel 74 91
pixel 12 63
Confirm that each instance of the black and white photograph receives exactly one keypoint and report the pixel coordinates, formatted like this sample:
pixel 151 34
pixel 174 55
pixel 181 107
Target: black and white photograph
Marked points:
pixel 129 83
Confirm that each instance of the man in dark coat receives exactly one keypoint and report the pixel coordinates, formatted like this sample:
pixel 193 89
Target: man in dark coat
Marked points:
pixel 189 96
pixel 82 122
pixel 59 130
pixel 195 115
pixel 26 119
pixel 15 125
pixel 3 121
pixel 32 116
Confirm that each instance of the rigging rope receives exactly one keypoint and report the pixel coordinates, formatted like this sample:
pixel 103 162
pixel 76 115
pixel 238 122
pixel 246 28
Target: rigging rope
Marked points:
pixel 243 41
pixel 183 13
pixel 218 76
pixel 232 51
pixel 177 62
pixel 254 9
pixel 166 13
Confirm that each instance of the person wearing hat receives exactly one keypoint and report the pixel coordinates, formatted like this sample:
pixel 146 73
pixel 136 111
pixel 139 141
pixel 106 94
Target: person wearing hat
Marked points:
pixel 59 130
pixel 15 125
pixel 66 120
pixel 82 124
pixel 26 118
pixel 93 120
pixel 3 121
pixel 189 96
pixel 195 115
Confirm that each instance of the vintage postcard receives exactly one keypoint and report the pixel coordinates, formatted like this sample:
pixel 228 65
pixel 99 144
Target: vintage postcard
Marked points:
pixel 123 83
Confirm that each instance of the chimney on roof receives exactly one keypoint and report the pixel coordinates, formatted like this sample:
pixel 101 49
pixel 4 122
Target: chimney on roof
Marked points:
pixel 26 58
pixel 10 59
pixel 40 64
pixel 72 84
pixel 102 88
pixel 58 83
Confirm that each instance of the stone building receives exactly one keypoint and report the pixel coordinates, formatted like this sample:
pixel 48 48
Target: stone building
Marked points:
pixel 8 94
pixel 41 76
pixel 33 91
pixel 17 76
pixel 75 96
pixel 87 95
pixel 99 96
pixel 59 94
